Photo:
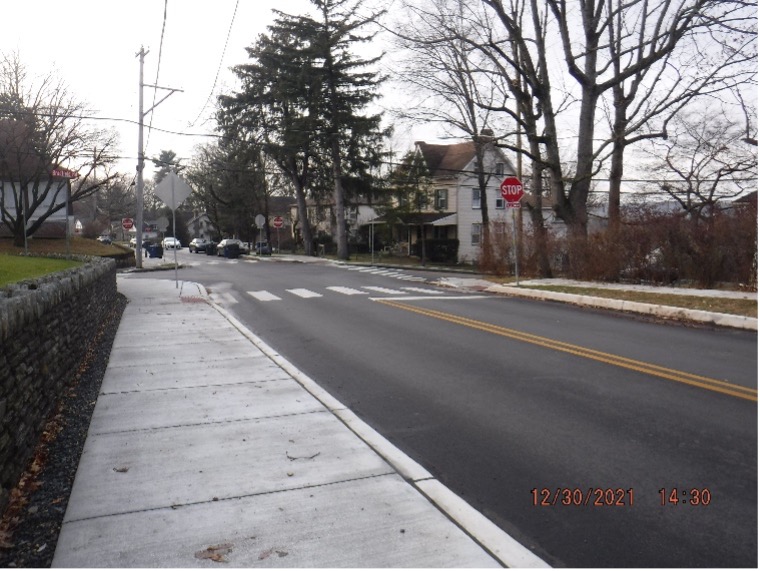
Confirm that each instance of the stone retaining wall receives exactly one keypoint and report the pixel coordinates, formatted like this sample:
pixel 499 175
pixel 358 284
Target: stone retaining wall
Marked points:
pixel 46 327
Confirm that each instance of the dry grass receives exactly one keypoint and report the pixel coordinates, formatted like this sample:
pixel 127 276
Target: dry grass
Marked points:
pixel 746 307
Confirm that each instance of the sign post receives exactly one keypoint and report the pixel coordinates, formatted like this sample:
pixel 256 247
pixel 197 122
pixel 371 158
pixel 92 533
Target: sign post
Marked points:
pixel 512 191
pixel 173 191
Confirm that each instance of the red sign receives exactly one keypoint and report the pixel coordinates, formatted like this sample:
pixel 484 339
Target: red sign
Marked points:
pixel 277 222
pixel 127 223
pixel 512 190
pixel 64 173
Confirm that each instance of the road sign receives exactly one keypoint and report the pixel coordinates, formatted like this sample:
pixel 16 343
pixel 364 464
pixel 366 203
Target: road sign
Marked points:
pixel 61 172
pixel 277 222
pixel 512 191
pixel 127 223
pixel 259 220
pixel 172 190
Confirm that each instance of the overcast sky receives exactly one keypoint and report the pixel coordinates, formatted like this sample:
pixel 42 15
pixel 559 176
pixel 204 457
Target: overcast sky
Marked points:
pixel 92 46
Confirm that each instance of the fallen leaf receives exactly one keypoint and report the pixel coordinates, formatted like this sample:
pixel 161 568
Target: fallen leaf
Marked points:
pixel 271 551
pixel 121 469
pixel 215 553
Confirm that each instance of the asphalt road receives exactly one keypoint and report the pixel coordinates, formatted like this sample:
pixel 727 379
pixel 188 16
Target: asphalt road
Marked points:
pixel 594 439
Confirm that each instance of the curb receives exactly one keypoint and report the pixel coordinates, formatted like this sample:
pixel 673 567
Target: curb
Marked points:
pixel 667 312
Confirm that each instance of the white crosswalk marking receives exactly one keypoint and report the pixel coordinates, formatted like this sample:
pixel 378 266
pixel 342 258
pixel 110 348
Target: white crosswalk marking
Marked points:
pixel 347 290
pixel 387 290
pixel 304 293
pixel 263 295
pixel 423 290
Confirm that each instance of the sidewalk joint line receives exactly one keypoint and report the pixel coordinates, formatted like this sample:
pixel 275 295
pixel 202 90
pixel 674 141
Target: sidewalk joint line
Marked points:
pixel 240 497
pixel 321 410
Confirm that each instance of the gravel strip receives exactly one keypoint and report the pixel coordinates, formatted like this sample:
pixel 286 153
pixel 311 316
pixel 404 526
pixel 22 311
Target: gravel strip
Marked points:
pixel 30 526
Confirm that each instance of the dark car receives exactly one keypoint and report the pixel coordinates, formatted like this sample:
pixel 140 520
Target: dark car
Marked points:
pixel 263 249
pixel 231 242
pixel 198 245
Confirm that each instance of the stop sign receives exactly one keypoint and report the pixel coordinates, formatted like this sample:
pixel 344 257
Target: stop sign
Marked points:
pixel 512 190
pixel 127 223
pixel 277 222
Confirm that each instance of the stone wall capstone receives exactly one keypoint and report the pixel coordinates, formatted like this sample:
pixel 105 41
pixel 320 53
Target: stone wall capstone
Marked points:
pixel 46 328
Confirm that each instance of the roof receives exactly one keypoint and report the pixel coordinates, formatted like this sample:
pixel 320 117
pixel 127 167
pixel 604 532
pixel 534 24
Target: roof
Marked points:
pixel 445 160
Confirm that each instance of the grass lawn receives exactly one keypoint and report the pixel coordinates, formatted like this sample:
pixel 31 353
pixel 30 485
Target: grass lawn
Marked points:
pixel 14 268
pixel 79 247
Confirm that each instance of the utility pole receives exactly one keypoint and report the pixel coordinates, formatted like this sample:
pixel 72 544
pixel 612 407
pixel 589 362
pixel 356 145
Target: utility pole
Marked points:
pixel 141 156
pixel 140 166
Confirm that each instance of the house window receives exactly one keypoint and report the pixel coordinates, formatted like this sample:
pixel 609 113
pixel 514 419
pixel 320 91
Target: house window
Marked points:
pixel 500 202
pixel 442 199
pixel 499 168
pixel 475 234
pixel 476 199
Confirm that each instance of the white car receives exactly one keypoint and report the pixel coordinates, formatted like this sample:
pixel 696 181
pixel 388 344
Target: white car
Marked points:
pixel 172 243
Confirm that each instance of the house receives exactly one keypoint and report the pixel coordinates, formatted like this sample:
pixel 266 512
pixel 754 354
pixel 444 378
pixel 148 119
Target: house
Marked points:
pixel 359 213
pixel 453 214
pixel 447 224
pixel 200 226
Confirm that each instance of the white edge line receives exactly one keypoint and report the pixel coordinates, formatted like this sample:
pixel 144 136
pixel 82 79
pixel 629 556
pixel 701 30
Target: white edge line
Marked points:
pixel 498 543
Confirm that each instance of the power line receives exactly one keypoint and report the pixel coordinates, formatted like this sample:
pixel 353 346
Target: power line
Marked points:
pixel 158 69
pixel 218 69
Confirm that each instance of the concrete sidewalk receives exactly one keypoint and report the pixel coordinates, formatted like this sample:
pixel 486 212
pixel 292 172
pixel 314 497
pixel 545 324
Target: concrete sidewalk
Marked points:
pixel 207 447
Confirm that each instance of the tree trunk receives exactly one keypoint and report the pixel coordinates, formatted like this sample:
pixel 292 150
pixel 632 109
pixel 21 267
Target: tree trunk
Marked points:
pixel 540 235
pixel 340 209
pixel 303 212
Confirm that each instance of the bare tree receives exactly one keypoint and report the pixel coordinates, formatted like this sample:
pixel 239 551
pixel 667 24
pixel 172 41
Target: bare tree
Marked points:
pixel 43 132
pixel 704 160
pixel 635 51
pixel 116 199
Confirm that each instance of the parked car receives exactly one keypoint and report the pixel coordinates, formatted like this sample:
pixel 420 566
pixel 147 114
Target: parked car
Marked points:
pixel 133 242
pixel 229 242
pixel 170 243
pixel 263 249
pixel 104 239
pixel 198 245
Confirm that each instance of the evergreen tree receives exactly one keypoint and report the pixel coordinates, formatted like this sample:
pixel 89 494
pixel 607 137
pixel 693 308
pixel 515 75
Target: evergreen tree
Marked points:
pixel 302 98
pixel 347 90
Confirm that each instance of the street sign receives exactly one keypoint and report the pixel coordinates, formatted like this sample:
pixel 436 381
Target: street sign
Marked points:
pixel 127 223
pixel 61 172
pixel 277 222
pixel 512 191
pixel 172 190
pixel 259 220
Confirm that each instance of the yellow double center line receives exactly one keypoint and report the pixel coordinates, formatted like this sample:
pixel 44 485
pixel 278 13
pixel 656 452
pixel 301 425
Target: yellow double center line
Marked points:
pixel 616 360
